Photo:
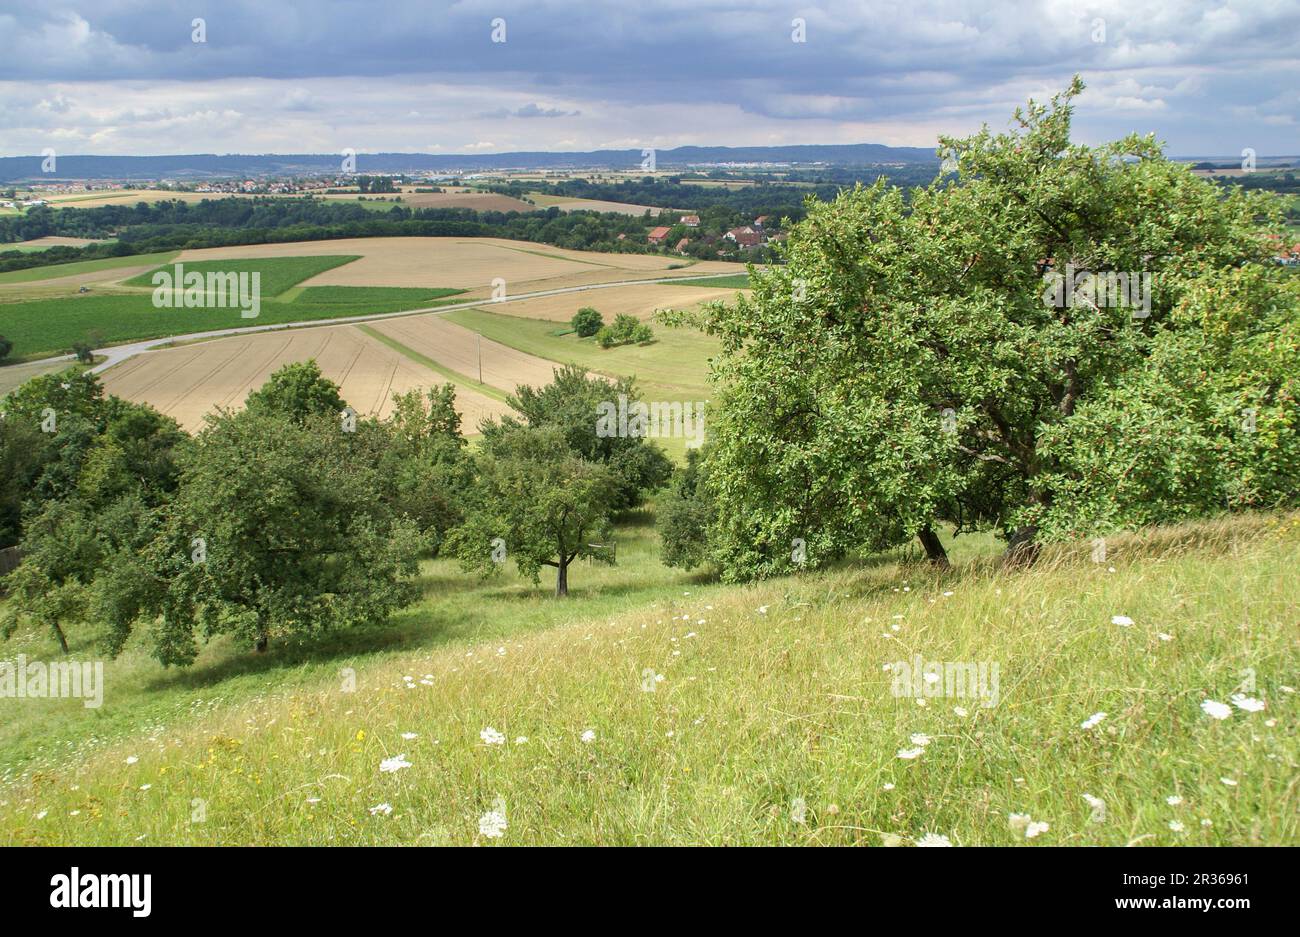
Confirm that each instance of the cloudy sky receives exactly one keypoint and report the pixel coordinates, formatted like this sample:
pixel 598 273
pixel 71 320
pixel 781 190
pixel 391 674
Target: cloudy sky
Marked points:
pixel 126 77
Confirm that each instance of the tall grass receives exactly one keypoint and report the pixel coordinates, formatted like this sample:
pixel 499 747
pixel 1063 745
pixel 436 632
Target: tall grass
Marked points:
pixel 774 722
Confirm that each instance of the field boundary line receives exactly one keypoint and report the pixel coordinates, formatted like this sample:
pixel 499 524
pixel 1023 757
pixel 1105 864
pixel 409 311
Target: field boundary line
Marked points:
pixel 455 377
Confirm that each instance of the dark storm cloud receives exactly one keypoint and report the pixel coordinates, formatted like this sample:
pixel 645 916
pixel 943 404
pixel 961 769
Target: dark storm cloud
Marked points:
pixel 1195 72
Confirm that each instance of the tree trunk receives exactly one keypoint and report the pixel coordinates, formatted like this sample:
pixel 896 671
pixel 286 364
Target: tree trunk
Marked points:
pixel 934 550
pixel 63 639
pixel 1022 548
pixel 562 578
pixel 262 641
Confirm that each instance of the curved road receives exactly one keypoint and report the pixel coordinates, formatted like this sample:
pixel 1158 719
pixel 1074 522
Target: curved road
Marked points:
pixel 116 354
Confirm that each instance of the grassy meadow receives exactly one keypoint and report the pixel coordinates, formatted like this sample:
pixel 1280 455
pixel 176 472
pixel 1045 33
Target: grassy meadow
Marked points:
pixel 673 367
pixel 659 707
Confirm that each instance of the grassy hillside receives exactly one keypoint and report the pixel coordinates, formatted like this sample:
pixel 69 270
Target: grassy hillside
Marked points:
pixel 774 707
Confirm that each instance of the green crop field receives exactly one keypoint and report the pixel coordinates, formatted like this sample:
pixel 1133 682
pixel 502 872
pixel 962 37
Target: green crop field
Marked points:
pixel 50 327
pixel 772 695
pixel 383 295
pixel 40 327
pixel 738 281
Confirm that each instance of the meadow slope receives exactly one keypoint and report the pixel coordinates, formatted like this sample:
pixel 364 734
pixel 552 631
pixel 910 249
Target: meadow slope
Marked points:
pixel 654 707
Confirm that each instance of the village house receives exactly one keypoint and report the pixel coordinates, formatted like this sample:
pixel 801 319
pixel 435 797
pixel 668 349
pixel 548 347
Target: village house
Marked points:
pixel 691 221
pixel 658 235
pixel 745 237
pixel 681 245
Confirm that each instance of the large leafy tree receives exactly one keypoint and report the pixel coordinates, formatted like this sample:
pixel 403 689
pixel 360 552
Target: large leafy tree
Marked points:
pixel 537 503
pixel 278 527
pixel 908 365
pixel 570 404
pixel 103 488
pixel 422 460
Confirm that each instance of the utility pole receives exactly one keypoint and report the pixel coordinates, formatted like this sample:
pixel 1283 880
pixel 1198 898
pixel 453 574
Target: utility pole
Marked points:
pixel 479 342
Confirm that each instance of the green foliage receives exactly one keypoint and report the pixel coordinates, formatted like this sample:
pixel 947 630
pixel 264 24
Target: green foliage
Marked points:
pixel 570 404
pixel 278 528
pixel 99 474
pixel 587 322
pixel 624 330
pixel 684 513
pixel 298 390
pixel 537 503
pixel 423 461
pixel 906 365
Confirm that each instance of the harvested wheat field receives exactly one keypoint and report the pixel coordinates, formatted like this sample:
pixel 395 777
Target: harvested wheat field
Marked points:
pixel 462 263
pixel 50 240
pixel 457 348
pixel 189 381
pixel 639 301
pixel 478 201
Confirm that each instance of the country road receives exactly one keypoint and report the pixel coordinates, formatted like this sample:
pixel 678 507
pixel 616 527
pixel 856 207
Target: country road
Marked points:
pixel 116 354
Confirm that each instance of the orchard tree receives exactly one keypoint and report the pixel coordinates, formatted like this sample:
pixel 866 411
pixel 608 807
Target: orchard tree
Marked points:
pixel 422 460
pixel 277 528
pixel 537 503
pixel 922 361
pixel 683 514
pixel 571 404
pixel 111 485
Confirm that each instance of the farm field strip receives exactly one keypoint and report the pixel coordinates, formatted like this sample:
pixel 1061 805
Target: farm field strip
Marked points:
pixel 455 377
pixel 85 271
pixel 190 381
pixel 458 348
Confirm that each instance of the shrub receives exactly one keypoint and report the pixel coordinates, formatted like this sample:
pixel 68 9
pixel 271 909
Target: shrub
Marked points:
pixel 587 322
pixel 624 330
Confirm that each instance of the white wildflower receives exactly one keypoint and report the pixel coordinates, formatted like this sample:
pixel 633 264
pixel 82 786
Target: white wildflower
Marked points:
pixel 933 839
pixel 1092 721
pixel 1215 709
pixel 1247 703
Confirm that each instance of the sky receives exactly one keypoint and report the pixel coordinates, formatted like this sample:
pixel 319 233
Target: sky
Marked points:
pixel 126 77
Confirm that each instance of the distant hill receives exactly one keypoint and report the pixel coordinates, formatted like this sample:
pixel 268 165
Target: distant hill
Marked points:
pixel 208 165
